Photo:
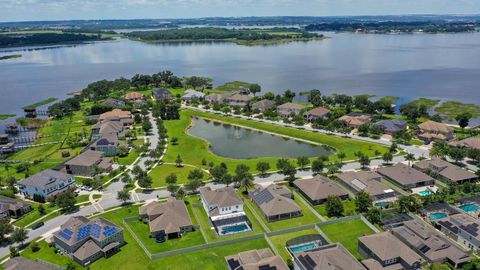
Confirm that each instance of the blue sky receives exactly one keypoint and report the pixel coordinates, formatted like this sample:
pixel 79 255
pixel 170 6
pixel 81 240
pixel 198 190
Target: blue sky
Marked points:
pixel 18 10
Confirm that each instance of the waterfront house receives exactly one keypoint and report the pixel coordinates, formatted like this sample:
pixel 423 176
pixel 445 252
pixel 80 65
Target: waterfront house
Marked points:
pixel 107 128
pixel 124 117
pixel 107 144
pixel 12 128
pixel 238 100
pixel 433 246
pixel 21 263
pixel 275 202
pixel 255 259
pixel 369 182
pixel 46 183
pixel 217 97
pixel 87 162
pixel 463 228
pixel 434 131
pixel 5 145
pixel 445 170
pixel 162 95
pixel 288 109
pixel 316 113
pixel 114 103
pixel 191 94
pixel 317 189
pixel 384 250
pixel 13 208
pixel 263 105
pixel 86 241
pixel 355 120
pixel 327 257
pixel 167 220
pixel 392 126
pixel 134 97
pixel 472 142
pixel 406 176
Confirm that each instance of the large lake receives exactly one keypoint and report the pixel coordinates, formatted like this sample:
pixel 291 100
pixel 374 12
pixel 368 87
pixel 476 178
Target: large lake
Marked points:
pixel 444 66
pixel 236 142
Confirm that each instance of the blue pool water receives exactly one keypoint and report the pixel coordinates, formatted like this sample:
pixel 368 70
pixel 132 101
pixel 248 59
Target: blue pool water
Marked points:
pixel 436 216
pixel 234 229
pixel 382 204
pixel 425 193
pixel 470 207
pixel 304 247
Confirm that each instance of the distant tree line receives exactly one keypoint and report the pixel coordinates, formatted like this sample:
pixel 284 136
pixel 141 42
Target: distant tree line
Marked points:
pixel 387 26
pixel 47 38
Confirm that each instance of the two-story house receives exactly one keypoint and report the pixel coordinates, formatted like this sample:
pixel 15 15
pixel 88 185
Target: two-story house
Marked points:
pixel 46 183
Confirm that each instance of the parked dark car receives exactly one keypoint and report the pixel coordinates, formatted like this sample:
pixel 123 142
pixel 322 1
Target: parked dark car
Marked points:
pixel 37 225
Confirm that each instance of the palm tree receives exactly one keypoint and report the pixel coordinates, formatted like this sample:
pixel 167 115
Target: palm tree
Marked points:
pixel 409 157
pixel 341 156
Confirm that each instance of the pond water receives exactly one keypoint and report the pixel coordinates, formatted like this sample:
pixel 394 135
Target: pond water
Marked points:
pixel 236 142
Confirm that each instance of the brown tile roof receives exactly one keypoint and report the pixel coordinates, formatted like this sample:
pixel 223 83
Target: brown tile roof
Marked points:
pixel 403 174
pixel 87 158
pixel 290 106
pixel 355 120
pixel 319 112
pixel 134 96
pixel 432 126
pixel 275 200
pixel 255 259
pixel 169 216
pixel 446 169
pixel 263 104
pixel 329 257
pixel 222 197
pixel 386 247
pixel 115 114
pixel 319 187
pixel 472 142
pixel 368 181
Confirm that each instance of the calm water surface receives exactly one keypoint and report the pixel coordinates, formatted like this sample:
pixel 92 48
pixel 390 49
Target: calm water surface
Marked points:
pixel 444 66
pixel 235 142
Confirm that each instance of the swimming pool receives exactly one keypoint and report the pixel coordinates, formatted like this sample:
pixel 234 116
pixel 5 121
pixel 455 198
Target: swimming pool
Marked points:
pixel 436 216
pixel 471 207
pixel 304 247
pixel 382 204
pixel 425 193
pixel 231 229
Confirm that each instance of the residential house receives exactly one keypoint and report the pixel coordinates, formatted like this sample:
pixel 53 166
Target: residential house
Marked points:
pixel 12 128
pixel 275 202
pixel 406 176
pixel 238 100
pixel 86 241
pixel 107 144
pixel 13 208
pixel 316 113
pixel 87 162
pixel 263 105
pixel 216 97
pixel 463 228
pixel 191 94
pixel 114 103
pixel 256 259
pixel 5 145
pixel 385 250
pixel 472 142
pixel 327 257
pixel 124 117
pixel 445 170
pixel 107 128
pixel 288 109
pixel 392 126
pixel 167 220
pixel 355 120
pixel 161 95
pixel 21 263
pixel 369 182
pixel 319 188
pixel 46 183
pixel 435 131
pixel 134 97
pixel 433 246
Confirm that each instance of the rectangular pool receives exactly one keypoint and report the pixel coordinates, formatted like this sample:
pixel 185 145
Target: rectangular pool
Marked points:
pixel 304 247
pixel 232 229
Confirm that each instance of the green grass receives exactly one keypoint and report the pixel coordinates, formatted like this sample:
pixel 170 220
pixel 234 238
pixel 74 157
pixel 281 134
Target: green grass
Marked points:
pixel 34 215
pixel 429 103
pixel 348 208
pixel 162 171
pixel 40 103
pixel 279 241
pixel 307 218
pixel 450 109
pixel 230 86
pixel 132 155
pixel 347 233
pixel 6 116
pixel 389 99
pixel 82 198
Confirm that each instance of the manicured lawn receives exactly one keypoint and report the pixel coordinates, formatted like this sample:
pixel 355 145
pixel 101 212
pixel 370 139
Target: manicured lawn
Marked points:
pixel 307 218
pixel 347 233
pixel 280 241
pixel 82 198
pixel 34 214
pixel 348 209
pixel 203 220
pixel 160 173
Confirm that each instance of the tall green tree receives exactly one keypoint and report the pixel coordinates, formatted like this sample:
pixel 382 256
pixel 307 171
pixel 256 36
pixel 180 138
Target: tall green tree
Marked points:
pixel 334 206
pixel 303 162
pixel 243 177
pixel 363 201
pixel 263 167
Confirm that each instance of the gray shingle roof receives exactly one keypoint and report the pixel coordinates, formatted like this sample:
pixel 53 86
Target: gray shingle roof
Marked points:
pixel 320 187
pixel 45 178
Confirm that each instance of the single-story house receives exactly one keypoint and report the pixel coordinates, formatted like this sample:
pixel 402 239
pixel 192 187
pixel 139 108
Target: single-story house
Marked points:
pixel 191 94
pixel 275 202
pixel 286 110
pixel 125 117
pixel 368 181
pixel 316 113
pixel 114 103
pixel 392 126
pixel 435 131
pixel 84 164
pixel 472 142
pixel 327 257
pixel 216 97
pixel 134 97
pixel 167 220
pixel 355 120
pixel 162 95
pixel 317 189
pixel 446 170
pixel 406 176
pixel 385 250
pixel 21 263
pixel 86 241
pixel 263 105
pixel 46 183
pixel 263 259
pixel 238 100
pixel 10 207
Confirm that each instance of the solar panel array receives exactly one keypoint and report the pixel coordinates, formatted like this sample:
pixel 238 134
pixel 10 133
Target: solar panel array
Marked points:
pixel 66 234
pixel 89 230
pixel 262 196
pixel 471 229
pixel 109 231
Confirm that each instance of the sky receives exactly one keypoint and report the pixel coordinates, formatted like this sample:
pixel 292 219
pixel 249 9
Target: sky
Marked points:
pixel 31 10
